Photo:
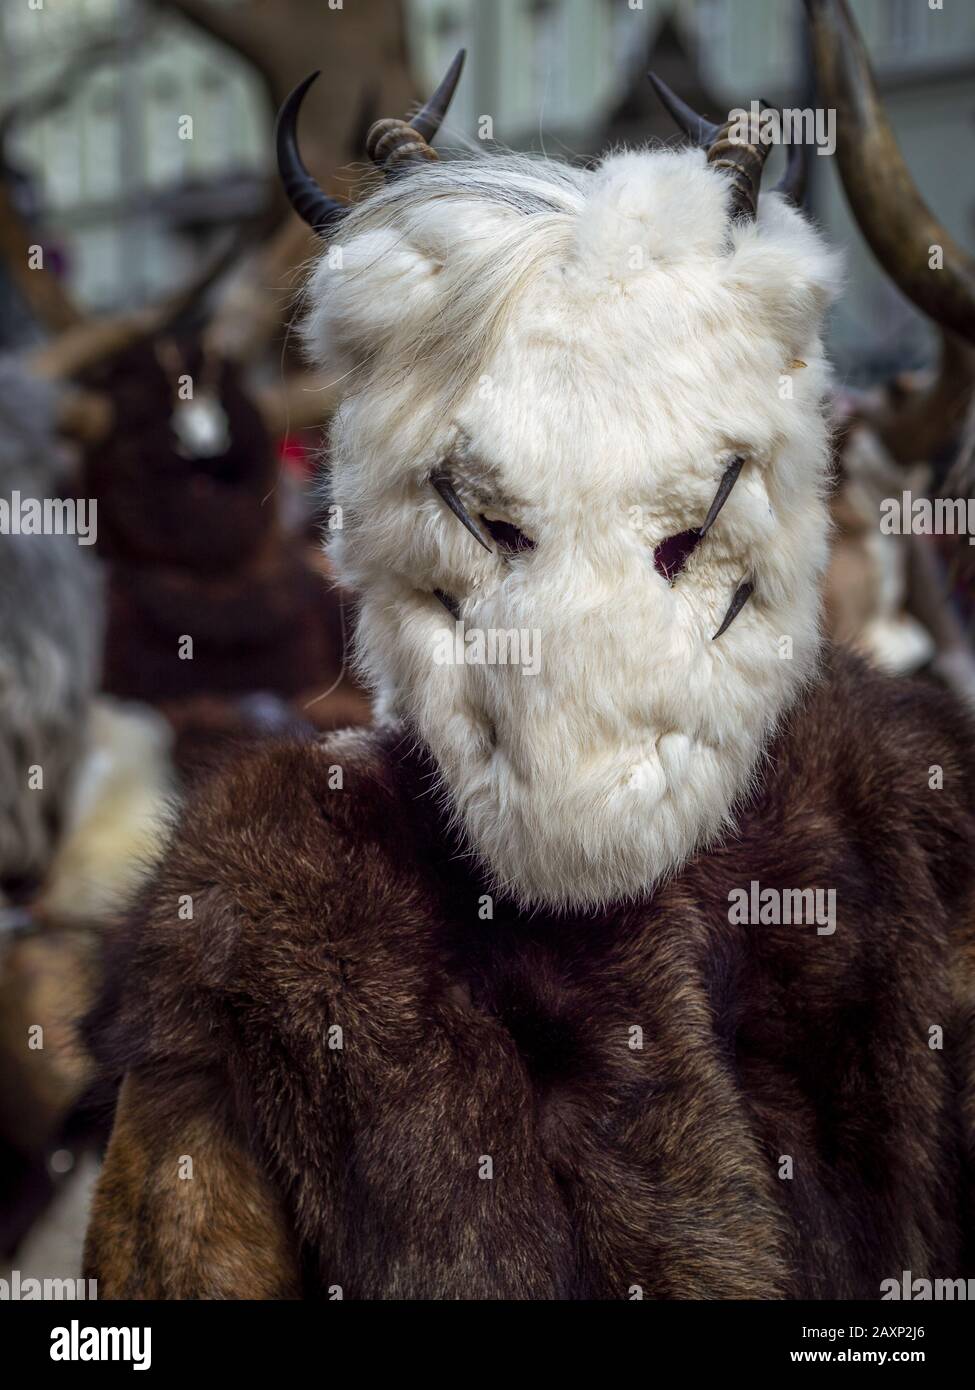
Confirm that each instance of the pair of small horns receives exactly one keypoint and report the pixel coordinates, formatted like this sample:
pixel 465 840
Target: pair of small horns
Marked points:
pixel 393 145
pixel 744 160
pixel 396 145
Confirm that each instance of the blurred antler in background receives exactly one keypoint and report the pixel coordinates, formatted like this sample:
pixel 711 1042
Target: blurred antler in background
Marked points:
pixel 911 421
pixel 284 39
pixel 882 194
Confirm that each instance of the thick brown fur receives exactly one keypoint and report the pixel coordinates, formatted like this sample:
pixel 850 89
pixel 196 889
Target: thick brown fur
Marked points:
pixel 195 547
pixel 615 1168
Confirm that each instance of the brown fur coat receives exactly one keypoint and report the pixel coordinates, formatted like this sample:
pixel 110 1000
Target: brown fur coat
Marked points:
pixel 488 1127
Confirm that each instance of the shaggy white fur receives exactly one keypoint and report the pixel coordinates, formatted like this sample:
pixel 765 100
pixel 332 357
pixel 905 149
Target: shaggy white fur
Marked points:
pixel 584 351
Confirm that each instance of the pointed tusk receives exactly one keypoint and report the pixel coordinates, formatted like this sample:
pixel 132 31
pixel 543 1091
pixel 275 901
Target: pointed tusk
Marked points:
pixel 449 602
pixel 728 480
pixel 442 483
pixel 742 594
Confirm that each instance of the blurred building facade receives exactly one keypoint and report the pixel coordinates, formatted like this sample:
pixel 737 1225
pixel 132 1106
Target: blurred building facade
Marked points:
pixel 129 188
pixel 120 174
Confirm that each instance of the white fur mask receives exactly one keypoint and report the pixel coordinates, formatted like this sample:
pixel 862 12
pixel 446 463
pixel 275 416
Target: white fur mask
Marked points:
pixel 582 354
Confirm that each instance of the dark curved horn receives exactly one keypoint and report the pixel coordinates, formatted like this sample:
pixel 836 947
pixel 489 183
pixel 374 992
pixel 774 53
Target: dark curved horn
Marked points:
pixel 443 484
pixel 883 197
pixel 310 202
pixel 700 132
pixel 728 479
pixel 744 159
pixel 395 144
pixel 429 118
pixel 792 184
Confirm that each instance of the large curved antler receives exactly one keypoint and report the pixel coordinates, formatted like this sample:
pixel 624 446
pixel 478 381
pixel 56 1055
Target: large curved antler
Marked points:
pixel 883 197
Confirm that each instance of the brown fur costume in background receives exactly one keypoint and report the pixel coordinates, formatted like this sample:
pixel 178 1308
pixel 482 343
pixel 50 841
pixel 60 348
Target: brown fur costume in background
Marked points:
pixel 316 1166
pixel 197 546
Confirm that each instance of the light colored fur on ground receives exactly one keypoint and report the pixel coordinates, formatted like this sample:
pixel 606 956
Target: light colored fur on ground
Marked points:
pixel 120 813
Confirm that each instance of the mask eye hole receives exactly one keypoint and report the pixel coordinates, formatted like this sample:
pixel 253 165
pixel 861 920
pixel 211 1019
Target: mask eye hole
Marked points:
pixel 506 536
pixel 672 555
